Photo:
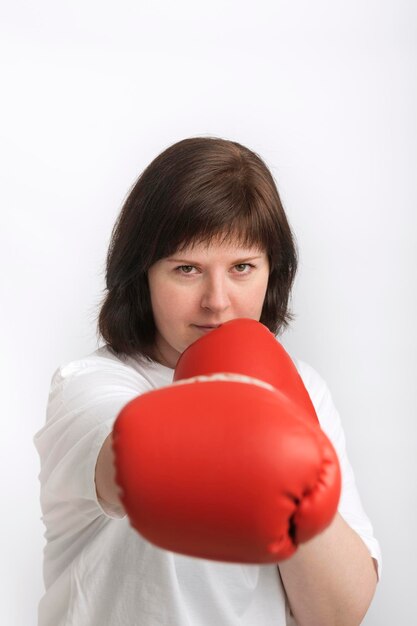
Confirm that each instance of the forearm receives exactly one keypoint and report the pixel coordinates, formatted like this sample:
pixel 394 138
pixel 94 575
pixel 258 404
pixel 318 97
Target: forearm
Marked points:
pixel 330 580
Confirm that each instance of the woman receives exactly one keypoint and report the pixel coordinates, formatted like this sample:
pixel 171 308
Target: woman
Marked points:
pixel 202 239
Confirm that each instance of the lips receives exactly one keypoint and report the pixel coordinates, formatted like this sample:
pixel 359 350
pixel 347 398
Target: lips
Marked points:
pixel 208 327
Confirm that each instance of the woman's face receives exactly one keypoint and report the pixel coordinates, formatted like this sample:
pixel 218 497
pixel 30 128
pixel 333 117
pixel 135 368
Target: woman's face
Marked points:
pixel 202 286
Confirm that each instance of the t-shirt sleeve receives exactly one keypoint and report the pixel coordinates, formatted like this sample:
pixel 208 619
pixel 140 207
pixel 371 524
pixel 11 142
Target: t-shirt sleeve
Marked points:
pixel 84 401
pixel 350 505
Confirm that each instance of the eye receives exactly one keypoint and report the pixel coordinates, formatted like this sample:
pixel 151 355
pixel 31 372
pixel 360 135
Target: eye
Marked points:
pixel 181 267
pixel 245 265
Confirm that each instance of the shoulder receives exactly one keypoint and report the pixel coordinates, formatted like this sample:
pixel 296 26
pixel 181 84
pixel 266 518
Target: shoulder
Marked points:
pixel 321 398
pixel 86 394
pixel 102 377
pixel 103 365
pixel 102 359
pixel 313 381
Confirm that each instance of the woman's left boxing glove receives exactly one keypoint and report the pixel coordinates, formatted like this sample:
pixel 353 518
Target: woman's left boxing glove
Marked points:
pixel 245 346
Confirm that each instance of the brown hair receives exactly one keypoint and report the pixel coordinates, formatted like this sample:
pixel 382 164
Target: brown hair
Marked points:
pixel 196 190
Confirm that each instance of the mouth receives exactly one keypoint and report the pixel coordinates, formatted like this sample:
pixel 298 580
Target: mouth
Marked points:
pixel 210 327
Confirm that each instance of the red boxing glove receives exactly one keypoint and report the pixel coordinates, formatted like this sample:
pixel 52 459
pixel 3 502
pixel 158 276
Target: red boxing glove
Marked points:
pixel 245 346
pixel 225 470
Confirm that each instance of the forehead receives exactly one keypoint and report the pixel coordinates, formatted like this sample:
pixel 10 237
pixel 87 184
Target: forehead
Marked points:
pixel 220 244
pixel 217 253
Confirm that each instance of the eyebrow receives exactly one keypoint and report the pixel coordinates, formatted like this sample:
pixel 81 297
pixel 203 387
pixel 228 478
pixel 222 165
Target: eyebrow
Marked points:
pixel 236 262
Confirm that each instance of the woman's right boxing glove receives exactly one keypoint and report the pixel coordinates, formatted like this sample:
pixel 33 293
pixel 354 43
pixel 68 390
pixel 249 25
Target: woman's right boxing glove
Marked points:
pixel 225 470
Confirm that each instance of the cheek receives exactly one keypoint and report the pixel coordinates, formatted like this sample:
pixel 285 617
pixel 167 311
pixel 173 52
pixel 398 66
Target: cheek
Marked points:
pixel 257 297
pixel 169 302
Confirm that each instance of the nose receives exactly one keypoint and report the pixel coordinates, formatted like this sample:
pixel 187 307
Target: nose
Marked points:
pixel 215 295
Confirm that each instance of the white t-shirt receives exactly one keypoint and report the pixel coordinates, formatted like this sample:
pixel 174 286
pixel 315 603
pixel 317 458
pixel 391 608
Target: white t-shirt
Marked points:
pixel 97 569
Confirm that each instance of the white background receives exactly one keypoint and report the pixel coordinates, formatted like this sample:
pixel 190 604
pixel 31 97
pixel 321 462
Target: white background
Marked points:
pixel 325 91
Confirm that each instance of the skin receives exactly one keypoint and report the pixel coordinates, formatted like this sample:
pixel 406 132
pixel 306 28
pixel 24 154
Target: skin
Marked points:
pixel 204 285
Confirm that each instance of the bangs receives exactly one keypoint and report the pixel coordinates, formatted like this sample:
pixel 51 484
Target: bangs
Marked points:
pixel 243 221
